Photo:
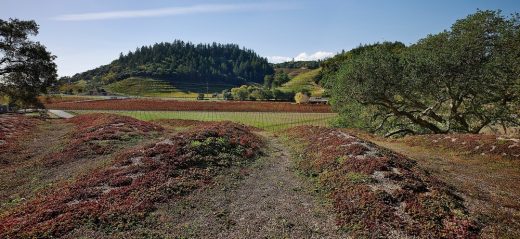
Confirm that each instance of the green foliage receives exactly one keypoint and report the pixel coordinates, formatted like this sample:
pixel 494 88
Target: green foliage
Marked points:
pixel 279 79
pixel 299 64
pixel 283 96
pixel 456 81
pixel 240 93
pixel 186 65
pixel 27 69
pixel 268 80
pixel 305 82
pixel 251 92
pixel 140 86
pixel 301 97
pixel 260 93
pixel 226 94
pixel 356 178
pixel 77 87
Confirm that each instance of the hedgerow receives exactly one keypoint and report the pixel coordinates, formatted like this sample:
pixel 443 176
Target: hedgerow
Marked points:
pixel 377 193
pixel 121 195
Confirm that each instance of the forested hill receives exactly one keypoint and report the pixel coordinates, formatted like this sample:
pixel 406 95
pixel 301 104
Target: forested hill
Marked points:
pixel 185 62
pixel 298 64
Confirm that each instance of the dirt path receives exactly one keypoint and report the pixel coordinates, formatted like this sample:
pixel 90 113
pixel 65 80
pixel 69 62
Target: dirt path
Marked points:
pixel 61 114
pixel 266 200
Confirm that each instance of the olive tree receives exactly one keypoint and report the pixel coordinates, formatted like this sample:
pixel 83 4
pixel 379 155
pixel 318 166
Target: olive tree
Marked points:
pixel 27 69
pixel 468 75
pixel 459 80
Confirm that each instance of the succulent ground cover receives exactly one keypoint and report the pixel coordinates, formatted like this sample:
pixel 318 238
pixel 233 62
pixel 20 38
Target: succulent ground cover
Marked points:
pixel 121 194
pixel 378 193
pixel 13 127
pixel 101 134
pixel 483 144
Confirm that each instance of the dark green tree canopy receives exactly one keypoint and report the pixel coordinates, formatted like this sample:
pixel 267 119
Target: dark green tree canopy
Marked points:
pixel 186 62
pixel 459 80
pixel 299 64
pixel 26 67
pixel 279 79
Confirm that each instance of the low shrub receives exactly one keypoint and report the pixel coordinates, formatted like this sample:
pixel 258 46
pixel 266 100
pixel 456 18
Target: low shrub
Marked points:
pixel 13 127
pixel 100 134
pixel 121 195
pixel 471 143
pixel 377 193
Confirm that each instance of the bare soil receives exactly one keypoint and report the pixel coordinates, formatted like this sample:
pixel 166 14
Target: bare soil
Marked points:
pixel 23 174
pixel 271 201
pixel 267 199
pixel 488 183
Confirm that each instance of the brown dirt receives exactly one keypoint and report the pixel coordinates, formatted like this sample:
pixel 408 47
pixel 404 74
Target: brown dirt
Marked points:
pixel 488 183
pixel 24 174
pixel 271 201
pixel 265 200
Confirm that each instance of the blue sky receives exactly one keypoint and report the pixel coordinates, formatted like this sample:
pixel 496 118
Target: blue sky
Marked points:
pixel 84 34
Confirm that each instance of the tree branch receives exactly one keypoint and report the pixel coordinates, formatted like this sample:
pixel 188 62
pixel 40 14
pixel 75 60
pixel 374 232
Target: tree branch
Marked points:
pixel 400 131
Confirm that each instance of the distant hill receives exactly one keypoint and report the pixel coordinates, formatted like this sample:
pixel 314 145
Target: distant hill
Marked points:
pixel 182 65
pixel 298 64
pixel 304 76
pixel 305 81
pixel 139 86
pixel 292 72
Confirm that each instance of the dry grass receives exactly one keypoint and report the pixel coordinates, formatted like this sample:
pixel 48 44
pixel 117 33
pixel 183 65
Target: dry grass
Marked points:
pixel 488 183
pixel 119 195
pixel 376 192
pixel 14 128
pixel 43 154
pixel 506 146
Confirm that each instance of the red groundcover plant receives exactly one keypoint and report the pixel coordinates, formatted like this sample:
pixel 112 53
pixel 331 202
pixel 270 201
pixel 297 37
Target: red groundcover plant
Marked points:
pixel 377 193
pixel 173 105
pixel 100 134
pixel 471 143
pixel 12 128
pixel 124 192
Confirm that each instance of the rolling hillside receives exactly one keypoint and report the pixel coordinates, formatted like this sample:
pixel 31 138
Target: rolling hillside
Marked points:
pixel 304 80
pixel 138 86
pixel 185 66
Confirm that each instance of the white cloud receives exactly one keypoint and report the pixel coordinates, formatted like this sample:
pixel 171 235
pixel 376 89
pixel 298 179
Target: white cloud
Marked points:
pixel 172 11
pixel 278 59
pixel 319 55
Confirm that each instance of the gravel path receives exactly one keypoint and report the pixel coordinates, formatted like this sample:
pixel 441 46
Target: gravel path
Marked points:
pixel 61 114
pixel 266 200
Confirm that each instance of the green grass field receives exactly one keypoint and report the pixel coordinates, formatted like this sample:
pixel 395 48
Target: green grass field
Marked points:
pixel 304 81
pixel 271 121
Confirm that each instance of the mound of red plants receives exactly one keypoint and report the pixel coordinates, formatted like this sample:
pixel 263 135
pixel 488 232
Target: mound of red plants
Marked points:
pixel 100 134
pixel 471 143
pixel 180 122
pixel 154 105
pixel 12 128
pixel 122 194
pixel 377 193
